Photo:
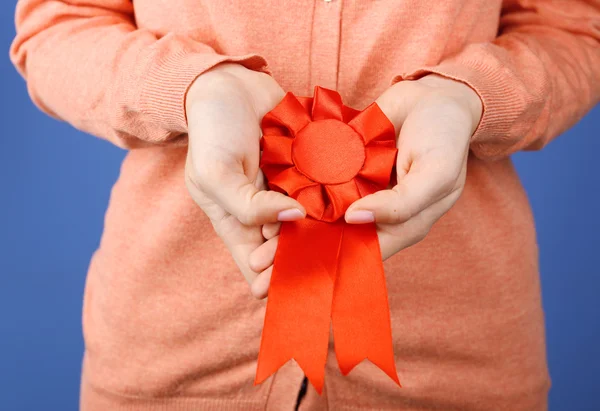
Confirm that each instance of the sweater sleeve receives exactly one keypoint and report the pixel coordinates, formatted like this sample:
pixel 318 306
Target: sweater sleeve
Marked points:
pixel 536 79
pixel 87 63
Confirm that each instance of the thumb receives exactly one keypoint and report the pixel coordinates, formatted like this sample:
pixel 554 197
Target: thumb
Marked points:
pixel 253 206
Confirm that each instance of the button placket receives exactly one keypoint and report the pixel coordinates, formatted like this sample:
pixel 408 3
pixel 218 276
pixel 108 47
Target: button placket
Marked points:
pixel 325 43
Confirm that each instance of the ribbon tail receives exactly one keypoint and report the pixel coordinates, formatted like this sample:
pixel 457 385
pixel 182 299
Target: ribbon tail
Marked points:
pixel 360 311
pixel 298 314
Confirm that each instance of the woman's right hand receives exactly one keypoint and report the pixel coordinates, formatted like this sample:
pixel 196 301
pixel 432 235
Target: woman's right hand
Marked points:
pixel 224 107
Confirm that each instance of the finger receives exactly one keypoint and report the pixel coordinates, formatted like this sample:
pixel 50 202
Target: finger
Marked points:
pixel 260 182
pixel 427 182
pixel 260 286
pixel 270 230
pixel 394 238
pixel 241 241
pixel 262 257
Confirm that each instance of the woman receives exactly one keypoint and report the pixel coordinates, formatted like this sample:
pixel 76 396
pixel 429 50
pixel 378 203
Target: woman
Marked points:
pixel 168 322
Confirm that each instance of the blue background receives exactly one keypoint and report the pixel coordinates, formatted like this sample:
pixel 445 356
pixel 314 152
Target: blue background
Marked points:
pixel 54 189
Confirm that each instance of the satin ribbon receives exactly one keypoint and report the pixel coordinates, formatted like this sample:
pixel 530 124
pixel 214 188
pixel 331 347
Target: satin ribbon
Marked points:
pixel 326 155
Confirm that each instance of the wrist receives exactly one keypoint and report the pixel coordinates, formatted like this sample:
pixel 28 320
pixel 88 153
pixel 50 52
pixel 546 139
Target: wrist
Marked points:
pixel 462 93
pixel 230 79
pixel 217 78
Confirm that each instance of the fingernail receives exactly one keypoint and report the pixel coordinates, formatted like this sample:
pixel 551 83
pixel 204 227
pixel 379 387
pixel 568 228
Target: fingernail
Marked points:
pixel 292 214
pixel 360 217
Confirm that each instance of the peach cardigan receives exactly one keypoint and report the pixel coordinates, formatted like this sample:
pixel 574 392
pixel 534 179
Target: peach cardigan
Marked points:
pixel 169 323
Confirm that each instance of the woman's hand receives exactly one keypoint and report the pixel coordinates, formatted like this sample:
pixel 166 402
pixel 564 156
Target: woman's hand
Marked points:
pixel 436 117
pixel 224 107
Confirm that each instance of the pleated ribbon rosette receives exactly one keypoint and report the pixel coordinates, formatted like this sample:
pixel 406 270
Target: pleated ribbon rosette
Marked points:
pixel 326 272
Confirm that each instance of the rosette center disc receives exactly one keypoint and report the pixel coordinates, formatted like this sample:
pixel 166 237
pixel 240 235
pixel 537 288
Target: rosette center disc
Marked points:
pixel 328 151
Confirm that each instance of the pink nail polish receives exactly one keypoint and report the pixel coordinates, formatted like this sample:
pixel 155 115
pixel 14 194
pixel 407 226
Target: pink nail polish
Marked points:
pixel 292 214
pixel 360 217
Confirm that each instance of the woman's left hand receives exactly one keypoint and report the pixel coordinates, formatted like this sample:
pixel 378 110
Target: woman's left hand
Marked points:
pixel 436 117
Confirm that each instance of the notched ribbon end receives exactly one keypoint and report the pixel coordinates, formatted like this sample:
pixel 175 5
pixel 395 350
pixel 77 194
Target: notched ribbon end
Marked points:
pixel 388 367
pixel 317 379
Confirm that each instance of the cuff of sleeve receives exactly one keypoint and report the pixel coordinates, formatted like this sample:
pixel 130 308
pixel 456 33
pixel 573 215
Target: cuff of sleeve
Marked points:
pixel 165 86
pixel 501 103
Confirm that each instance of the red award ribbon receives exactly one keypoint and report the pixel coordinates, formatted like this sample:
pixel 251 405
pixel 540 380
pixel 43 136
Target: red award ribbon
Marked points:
pixel 326 155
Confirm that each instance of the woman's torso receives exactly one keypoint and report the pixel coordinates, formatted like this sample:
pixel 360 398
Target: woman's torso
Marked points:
pixel 166 311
